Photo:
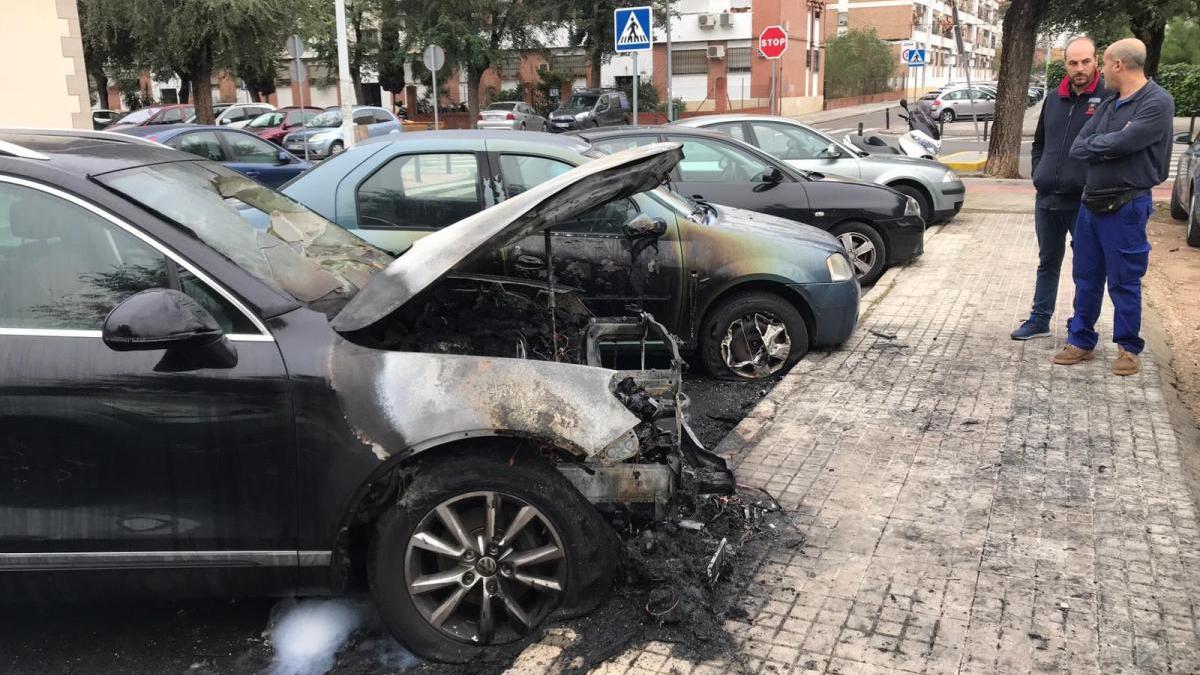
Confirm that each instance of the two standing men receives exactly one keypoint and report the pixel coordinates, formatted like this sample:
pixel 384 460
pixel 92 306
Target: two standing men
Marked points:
pixel 1110 164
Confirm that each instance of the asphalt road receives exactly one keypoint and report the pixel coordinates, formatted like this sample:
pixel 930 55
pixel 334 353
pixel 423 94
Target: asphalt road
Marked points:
pixel 877 123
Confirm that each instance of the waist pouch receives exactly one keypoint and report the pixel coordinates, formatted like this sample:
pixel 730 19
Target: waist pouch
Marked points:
pixel 1109 200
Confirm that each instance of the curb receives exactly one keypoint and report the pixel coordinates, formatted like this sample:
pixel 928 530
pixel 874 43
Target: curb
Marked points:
pixel 966 161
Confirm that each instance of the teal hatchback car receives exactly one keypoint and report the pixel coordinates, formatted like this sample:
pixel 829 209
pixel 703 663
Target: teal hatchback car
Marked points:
pixel 749 293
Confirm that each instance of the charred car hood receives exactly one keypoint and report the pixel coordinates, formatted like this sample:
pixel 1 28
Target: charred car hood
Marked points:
pixel 761 224
pixel 562 198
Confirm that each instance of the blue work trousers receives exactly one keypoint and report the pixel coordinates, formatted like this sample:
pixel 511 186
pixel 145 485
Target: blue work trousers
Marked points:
pixel 1110 248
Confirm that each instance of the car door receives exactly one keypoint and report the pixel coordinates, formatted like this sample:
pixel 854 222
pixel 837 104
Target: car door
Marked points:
pixel 413 194
pixel 131 458
pixel 592 252
pixel 715 171
pixel 258 159
pixel 203 143
pixel 803 148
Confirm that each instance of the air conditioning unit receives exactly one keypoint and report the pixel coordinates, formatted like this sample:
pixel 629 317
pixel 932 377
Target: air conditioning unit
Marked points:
pixel 726 20
pixel 717 52
pixel 707 20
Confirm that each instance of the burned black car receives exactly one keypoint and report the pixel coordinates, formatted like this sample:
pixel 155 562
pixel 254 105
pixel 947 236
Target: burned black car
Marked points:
pixel 193 403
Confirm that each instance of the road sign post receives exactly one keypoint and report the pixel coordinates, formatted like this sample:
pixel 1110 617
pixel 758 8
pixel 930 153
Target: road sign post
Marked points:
pixel 632 31
pixel 298 74
pixel 434 58
pixel 772 43
pixel 344 84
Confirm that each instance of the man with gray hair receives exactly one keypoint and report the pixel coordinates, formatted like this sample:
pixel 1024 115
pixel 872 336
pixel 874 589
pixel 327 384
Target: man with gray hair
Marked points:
pixel 1127 145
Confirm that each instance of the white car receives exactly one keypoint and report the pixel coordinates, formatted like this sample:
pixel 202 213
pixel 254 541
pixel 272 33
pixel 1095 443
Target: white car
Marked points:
pixel 236 115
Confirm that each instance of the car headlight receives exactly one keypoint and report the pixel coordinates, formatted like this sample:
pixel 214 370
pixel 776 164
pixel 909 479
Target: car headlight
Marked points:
pixel 839 267
pixel 912 208
pixel 581 116
pixel 949 176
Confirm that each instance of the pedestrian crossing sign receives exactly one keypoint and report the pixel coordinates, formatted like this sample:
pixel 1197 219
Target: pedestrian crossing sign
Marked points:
pixel 632 28
pixel 914 58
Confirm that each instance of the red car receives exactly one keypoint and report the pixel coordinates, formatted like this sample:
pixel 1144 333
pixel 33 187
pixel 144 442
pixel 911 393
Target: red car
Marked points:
pixel 155 114
pixel 273 126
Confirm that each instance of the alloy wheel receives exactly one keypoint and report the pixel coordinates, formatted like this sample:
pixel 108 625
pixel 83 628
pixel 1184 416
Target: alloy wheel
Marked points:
pixel 756 345
pixel 485 567
pixel 863 253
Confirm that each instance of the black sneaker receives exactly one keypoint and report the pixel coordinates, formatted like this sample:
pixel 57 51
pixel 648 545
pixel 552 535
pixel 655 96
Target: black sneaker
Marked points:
pixel 1030 330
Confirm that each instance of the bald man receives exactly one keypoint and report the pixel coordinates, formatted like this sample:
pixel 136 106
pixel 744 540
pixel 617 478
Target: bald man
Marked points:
pixel 1127 146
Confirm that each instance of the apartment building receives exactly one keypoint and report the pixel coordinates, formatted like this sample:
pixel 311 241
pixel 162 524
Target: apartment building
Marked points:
pixel 44 79
pixel 929 24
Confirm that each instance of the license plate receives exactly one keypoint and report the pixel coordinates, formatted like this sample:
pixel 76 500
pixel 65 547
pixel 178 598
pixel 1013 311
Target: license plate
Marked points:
pixel 562 124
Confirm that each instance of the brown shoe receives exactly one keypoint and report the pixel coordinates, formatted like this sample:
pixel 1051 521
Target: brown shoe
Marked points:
pixel 1070 355
pixel 1126 363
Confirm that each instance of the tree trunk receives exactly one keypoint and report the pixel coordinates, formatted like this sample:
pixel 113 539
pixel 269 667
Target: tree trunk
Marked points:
pixel 1151 31
pixel 201 85
pixel 1020 38
pixel 101 79
pixel 185 87
pixel 474 77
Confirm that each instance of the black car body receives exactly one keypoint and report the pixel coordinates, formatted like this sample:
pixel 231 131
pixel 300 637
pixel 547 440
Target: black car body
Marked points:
pixel 193 405
pixel 705 272
pixel 590 108
pixel 878 226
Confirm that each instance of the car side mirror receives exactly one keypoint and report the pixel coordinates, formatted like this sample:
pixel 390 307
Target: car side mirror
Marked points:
pixel 904 103
pixel 644 226
pixel 284 157
pixel 831 151
pixel 1183 138
pixel 772 175
pixel 159 318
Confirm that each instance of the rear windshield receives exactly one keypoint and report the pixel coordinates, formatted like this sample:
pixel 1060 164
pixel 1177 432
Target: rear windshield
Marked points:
pixel 327 119
pixel 583 100
pixel 502 106
pixel 266 120
pixel 138 116
pixel 262 231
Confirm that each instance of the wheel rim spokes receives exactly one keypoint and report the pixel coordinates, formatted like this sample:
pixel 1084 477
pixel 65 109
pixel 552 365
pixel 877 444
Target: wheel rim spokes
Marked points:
pixel 756 345
pixel 477 552
pixel 861 250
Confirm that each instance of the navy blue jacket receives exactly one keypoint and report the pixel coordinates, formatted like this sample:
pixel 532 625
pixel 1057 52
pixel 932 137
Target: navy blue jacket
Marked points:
pixel 1057 176
pixel 1127 143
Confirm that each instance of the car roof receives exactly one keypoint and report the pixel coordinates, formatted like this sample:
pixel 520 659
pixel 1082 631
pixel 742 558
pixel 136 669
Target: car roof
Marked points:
pixel 85 152
pixel 734 117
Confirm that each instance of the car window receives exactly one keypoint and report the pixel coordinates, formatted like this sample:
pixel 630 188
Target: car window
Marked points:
pixel 788 142
pixel 502 106
pixel 521 172
pixel 382 116
pixel 421 192
pixel 252 150
pixel 300 116
pixel 612 145
pixel 171 115
pixel 268 120
pixel 708 161
pixel 200 143
pixel 64 267
pixel 734 129
pixel 362 117
pixel 235 115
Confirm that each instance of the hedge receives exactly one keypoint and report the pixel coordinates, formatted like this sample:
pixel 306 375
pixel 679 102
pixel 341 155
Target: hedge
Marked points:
pixel 1183 82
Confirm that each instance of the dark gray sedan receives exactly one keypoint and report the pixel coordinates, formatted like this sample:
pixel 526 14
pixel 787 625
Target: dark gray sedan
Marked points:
pixel 1185 191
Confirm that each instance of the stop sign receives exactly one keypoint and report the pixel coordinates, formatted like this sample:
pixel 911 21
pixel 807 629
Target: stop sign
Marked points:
pixel 772 42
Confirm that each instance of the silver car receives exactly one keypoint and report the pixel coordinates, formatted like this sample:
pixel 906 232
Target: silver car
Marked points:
pixel 959 103
pixel 324 136
pixel 936 188
pixel 510 115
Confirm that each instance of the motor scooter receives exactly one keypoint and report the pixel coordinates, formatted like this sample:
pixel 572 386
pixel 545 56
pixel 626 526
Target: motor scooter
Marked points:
pixel 921 140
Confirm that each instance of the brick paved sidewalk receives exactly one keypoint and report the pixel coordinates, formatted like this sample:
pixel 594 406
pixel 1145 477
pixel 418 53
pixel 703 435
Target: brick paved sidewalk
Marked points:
pixel 970 508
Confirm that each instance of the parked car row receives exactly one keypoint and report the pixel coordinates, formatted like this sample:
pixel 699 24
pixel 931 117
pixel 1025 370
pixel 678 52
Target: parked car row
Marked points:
pixel 408 371
pixel 1185 190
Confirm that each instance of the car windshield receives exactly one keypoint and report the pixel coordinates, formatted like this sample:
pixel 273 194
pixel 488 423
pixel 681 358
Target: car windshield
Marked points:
pixel 327 119
pixel 266 120
pixel 502 106
pixel 138 116
pixel 583 101
pixel 269 235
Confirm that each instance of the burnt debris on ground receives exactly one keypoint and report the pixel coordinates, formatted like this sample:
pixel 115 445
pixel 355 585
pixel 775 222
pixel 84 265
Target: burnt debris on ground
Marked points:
pixel 718 405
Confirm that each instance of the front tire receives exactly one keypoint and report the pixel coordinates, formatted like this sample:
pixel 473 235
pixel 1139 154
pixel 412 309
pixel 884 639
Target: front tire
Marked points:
pixel 1178 211
pixel 868 252
pixel 947 116
pixel 922 200
pixel 1193 229
pixel 336 148
pixel 751 336
pixel 482 549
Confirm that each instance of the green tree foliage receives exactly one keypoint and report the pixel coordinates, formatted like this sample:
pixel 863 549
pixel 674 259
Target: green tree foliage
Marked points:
pixel 191 38
pixel 1182 41
pixel 648 99
pixel 858 63
pixel 1055 73
pixel 1109 20
pixel 1183 82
